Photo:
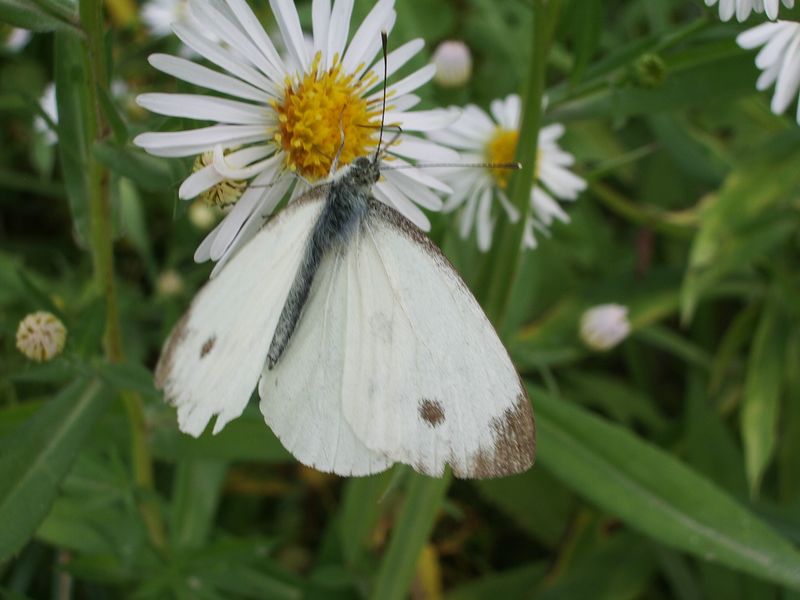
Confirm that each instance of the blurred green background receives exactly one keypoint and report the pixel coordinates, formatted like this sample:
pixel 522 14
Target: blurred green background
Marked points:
pixel 668 467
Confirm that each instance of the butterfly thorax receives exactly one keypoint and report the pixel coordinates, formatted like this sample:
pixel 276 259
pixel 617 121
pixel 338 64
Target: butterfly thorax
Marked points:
pixel 345 207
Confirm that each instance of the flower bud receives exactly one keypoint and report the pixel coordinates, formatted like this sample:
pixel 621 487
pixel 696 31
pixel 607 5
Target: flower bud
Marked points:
pixel 604 326
pixel 41 336
pixel 453 63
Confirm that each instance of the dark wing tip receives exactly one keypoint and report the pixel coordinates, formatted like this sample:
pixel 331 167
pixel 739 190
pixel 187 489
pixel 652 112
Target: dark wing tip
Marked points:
pixel 514 448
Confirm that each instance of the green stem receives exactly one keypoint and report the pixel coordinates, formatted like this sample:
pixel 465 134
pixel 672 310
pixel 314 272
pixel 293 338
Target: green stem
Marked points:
pixel 507 257
pixel 102 248
pixel 411 530
pixel 681 223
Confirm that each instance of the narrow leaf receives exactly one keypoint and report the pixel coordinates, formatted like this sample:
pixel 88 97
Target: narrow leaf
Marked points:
pixel 759 416
pixel 411 530
pixel 25 14
pixel 38 456
pixel 72 103
pixel 656 494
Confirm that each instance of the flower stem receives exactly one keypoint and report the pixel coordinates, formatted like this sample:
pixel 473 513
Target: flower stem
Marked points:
pixel 507 257
pixel 101 240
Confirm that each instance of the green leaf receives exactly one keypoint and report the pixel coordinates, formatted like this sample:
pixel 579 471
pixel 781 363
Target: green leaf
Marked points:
pixel 245 438
pixel 789 453
pixel 27 15
pixel 38 456
pixel 113 116
pixel 656 494
pixel 195 497
pixel 714 76
pixel 596 574
pixel 537 501
pixel 151 173
pixel 129 377
pixel 411 530
pixel 749 218
pixel 73 146
pixel 508 585
pixel 585 14
pixel 360 512
pixel 760 410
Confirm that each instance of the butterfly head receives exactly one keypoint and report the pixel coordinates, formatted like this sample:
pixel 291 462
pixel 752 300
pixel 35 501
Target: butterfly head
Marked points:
pixel 363 172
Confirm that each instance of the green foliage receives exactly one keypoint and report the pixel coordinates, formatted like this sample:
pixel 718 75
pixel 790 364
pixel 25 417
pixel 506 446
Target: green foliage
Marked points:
pixel 666 467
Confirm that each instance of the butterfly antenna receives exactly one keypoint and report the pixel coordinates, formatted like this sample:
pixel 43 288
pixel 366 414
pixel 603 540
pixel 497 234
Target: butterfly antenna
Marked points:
pixel 384 44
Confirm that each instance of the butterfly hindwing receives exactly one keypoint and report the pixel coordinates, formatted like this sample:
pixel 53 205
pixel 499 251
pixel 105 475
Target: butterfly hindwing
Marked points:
pixel 427 382
pixel 301 396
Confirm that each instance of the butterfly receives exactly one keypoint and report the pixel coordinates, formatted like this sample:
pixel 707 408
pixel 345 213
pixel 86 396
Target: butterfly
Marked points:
pixel 366 345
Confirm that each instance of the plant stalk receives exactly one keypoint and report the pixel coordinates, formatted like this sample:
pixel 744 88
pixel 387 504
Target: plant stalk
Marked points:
pixel 508 255
pixel 91 15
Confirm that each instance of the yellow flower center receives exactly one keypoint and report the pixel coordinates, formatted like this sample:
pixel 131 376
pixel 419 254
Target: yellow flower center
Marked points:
pixel 502 148
pixel 318 112
pixel 226 192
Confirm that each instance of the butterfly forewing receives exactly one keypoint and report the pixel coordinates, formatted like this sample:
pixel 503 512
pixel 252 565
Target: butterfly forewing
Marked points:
pixel 213 358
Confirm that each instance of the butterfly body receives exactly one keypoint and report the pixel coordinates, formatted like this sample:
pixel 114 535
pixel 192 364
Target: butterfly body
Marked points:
pixel 345 207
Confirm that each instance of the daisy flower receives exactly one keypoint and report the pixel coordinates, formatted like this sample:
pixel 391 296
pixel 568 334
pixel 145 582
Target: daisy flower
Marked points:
pixel 285 119
pixel 779 60
pixel 481 138
pixel 743 8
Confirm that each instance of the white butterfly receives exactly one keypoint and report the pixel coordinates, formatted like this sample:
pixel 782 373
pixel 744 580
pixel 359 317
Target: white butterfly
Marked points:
pixel 367 347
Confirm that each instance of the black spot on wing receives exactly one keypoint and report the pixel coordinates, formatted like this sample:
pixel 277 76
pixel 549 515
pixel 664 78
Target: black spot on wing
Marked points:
pixel 207 346
pixel 431 411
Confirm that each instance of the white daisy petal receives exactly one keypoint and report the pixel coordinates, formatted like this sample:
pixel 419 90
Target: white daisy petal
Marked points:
pixel 243 208
pixel 419 193
pixel 513 111
pixel 463 184
pixel 497 106
pixel 422 120
pixel 193 73
pixel 420 149
pixel 289 24
pixel 207 108
pixel 233 36
pixel 774 48
pixel 389 194
pixel 743 8
pixel 789 77
pixel 469 212
pixel 404 103
pixel 368 36
pixel 250 24
pixel 196 141
pixel 320 20
pixel 779 60
pixel 222 57
pixel 756 36
pixel 397 58
pixel 339 28
pixel 485 224
pixel 407 84
pixel 255 220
